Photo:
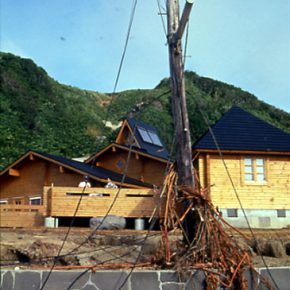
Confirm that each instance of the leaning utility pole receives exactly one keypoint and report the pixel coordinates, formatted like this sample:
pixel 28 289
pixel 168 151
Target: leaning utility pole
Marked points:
pixel 179 109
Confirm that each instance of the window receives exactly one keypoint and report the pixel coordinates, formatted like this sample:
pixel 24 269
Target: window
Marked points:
pixel 35 200
pixel 232 212
pixel 120 163
pixel 254 169
pixel 249 169
pixel 281 213
pixel 260 170
pixel 3 201
pixel 149 136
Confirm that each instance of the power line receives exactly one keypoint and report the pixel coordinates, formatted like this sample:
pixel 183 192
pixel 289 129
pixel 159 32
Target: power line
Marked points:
pixel 124 175
pixel 106 215
pixel 186 44
pixel 126 44
pixel 66 236
pixel 94 231
pixel 234 188
pixel 162 19
pixel 93 267
pixel 50 258
pixel 152 224
pixel 134 4
pixel 87 239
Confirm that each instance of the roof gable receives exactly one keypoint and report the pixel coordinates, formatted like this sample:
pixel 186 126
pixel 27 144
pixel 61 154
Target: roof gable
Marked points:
pixel 239 130
pixel 130 135
pixel 126 135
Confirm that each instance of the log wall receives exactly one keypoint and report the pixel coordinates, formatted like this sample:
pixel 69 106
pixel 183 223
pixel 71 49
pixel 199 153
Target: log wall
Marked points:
pixel 98 201
pixel 33 176
pixel 274 193
pixel 141 168
pixel 21 215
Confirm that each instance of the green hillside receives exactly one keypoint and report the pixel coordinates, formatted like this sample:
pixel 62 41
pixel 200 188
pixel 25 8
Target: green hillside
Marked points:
pixel 38 113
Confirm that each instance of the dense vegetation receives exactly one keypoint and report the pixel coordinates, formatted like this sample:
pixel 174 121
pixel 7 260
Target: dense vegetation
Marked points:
pixel 38 113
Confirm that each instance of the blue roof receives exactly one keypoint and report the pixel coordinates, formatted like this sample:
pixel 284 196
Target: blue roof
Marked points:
pixel 239 130
pixel 98 172
pixel 148 147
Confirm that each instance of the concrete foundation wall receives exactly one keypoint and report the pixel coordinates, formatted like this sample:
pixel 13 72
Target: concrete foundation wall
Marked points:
pixel 112 280
pixel 258 219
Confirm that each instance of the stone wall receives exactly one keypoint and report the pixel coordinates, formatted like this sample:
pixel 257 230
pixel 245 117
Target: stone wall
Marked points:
pixel 112 280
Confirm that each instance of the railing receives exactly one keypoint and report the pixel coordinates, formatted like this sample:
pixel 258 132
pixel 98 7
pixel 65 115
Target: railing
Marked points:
pixel 21 215
pixel 99 201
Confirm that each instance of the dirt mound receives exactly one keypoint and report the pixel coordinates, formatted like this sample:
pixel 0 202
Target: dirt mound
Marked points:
pixel 270 248
pixel 37 252
pixel 38 247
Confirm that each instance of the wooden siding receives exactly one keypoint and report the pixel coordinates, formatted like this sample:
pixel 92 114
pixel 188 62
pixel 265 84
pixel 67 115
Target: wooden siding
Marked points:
pixel 140 167
pixel 21 216
pixel 274 193
pixel 33 175
pixel 128 203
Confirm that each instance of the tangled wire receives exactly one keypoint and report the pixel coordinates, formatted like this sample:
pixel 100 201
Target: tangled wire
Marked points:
pixel 208 242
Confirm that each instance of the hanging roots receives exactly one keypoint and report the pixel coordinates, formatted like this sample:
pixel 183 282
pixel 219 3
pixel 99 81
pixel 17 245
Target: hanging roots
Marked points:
pixel 208 242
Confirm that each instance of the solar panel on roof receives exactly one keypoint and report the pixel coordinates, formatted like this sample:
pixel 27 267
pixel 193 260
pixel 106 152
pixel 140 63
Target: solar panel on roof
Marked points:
pixel 155 139
pixel 144 134
pixel 149 136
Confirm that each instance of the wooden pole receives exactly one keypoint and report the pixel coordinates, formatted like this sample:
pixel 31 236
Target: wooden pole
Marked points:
pixel 179 108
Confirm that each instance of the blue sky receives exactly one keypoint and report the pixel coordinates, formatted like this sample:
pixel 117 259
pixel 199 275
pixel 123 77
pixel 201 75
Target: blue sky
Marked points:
pixel 79 42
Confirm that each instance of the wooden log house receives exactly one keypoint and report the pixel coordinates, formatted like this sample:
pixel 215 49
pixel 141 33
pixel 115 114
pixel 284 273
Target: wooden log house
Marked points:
pixel 40 185
pixel 149 157
pixel 249 159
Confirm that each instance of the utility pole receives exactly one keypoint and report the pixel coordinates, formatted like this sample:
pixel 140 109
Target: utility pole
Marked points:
pixel 179 109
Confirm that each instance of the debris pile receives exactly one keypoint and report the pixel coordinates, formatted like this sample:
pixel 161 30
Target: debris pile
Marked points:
pixel 208 242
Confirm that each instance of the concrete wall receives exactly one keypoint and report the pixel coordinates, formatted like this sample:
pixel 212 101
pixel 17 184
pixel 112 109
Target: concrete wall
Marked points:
pixel 258 218
pixel 112 280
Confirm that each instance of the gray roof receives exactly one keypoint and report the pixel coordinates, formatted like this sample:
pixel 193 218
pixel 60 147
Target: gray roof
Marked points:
pixel 239 130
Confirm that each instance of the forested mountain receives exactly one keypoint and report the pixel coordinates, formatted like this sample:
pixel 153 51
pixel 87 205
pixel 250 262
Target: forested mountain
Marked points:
pixel 36 112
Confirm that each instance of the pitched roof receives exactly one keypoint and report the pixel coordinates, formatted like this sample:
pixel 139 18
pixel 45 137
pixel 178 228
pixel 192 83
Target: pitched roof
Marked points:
pixel 239 130
pixel 134 149
pixel 153 148
pixel 98 173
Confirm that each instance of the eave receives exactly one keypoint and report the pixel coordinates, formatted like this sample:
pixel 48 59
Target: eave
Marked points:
pixel 240 152
pixel 122 147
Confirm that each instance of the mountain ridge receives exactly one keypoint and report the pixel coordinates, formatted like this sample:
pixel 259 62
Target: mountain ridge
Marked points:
pixel 37 112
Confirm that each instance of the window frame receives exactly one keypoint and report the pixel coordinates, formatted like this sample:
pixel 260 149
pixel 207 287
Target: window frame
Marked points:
pixel 254 169
pixel 232 213
pixel 281 213
pixel 32 198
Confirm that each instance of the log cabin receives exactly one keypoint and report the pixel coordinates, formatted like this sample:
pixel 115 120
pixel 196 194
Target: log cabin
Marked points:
pixel 40 185
pixel 245 164
pixel 148 156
